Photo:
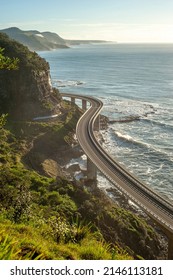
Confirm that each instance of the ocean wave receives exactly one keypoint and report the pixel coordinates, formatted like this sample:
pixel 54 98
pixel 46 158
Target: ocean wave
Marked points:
pixel 148 149
pixel 151 165
pixel 129 139
pixel 129 108
pixel 161 124
pixel 67 83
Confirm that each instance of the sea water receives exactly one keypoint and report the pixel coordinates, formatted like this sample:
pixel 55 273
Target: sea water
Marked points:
pixel 135 83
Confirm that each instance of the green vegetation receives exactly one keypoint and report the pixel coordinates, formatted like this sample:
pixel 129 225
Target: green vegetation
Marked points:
pixel 3 120
pixel 40 217
pixel 20 242
pixel 14 55
pixel 7 62
pixel 48 218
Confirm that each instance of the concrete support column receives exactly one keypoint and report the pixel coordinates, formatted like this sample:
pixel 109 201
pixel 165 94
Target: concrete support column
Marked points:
pixel 170 248
pixel 91 170
pixel 84 104
pixel 73 100
pixel 97 124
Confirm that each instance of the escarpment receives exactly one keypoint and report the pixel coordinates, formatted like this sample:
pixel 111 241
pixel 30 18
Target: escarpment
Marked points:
pixel 27 92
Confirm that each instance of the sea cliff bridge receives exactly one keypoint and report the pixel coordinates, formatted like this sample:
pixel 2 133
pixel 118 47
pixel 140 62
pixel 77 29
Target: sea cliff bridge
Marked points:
pixel 157 207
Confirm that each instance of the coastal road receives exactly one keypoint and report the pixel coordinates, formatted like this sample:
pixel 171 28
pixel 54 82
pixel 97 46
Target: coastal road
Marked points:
pixel 157 207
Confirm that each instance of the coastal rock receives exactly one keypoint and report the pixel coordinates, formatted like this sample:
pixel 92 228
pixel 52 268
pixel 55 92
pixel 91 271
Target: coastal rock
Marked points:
pixel 51 168
pixel 73 168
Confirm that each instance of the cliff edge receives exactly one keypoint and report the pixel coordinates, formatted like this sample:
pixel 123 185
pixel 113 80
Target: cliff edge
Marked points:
pixel 26 93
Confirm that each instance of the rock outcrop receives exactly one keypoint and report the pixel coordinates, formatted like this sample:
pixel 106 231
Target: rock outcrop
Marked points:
pixel 26 93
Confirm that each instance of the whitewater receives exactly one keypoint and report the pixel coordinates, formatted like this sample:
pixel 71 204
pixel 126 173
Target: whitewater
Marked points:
pixel 135 83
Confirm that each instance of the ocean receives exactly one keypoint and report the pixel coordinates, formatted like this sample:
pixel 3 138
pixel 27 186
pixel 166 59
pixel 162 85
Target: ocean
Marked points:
pixel 135 83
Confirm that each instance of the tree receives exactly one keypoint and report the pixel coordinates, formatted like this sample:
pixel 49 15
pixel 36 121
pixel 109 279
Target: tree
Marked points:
pixel 7 62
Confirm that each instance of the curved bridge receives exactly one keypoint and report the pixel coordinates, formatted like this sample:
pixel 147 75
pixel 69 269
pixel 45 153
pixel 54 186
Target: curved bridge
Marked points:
pixel 158 208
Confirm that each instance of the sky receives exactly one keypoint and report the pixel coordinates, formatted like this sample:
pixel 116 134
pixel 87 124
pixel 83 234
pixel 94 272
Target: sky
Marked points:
pixel 124 21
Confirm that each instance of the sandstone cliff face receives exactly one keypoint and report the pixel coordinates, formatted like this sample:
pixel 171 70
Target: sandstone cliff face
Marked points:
pixel 26 93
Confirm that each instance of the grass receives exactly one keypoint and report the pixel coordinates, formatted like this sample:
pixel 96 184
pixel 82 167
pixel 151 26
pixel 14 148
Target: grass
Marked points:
pixel 21 242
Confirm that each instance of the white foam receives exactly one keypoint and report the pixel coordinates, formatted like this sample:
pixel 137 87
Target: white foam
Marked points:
pixel 124 136
pixel 78 175
pixel 81 161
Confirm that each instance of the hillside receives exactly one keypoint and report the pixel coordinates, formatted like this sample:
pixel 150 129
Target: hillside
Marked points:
pixel 41 41
pixel 44 214
pixel 35 40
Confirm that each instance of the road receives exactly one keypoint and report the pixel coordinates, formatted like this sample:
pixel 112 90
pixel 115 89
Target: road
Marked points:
pixel 157 207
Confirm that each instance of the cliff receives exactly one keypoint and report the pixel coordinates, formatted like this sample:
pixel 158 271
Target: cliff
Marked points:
pixel 26 93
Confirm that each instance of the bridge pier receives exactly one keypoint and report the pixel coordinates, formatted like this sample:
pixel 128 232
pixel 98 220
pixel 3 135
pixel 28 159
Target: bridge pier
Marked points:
pixel 84 104
pixel 73 100
pixel 97 124
pixel 91 170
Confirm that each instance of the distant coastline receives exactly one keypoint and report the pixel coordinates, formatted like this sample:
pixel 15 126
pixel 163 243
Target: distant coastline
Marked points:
pixel 43 41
